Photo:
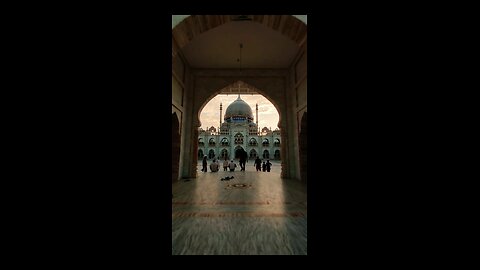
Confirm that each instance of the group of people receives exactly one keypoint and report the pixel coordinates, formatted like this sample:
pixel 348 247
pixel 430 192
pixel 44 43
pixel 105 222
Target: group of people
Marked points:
pixel 265 166
pixel 214 166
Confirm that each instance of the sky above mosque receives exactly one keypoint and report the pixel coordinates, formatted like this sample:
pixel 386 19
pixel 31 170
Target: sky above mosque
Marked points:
pixel 267 113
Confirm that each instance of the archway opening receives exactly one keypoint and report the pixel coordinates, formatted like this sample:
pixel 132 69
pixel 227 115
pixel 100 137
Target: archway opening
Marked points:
pixel 228 124
pixel 211 154
pixel 253 154
pixel 266 154
pixel 277 155
pixel 238 152
pixel 274 45
pixel 224 154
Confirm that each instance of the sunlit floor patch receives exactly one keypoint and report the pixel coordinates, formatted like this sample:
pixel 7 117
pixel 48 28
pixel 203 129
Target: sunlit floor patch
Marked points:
pixel 255 213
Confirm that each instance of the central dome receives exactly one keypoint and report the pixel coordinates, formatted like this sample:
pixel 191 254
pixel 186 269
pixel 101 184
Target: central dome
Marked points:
pixel 238 111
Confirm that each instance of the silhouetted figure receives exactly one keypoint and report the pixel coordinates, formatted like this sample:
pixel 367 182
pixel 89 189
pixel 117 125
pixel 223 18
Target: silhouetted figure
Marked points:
pixel 268 165
pixel 243 158
pixel 264 166
pixel 258 164
pixel 204 164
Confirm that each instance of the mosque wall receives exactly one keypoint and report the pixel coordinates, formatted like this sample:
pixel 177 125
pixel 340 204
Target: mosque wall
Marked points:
pixel 181 87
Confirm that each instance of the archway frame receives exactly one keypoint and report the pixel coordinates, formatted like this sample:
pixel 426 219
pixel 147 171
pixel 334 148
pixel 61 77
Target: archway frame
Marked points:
pixel 279 98
pixel 186 27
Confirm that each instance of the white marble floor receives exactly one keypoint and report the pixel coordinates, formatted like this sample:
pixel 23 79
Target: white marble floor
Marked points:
pixel 255 213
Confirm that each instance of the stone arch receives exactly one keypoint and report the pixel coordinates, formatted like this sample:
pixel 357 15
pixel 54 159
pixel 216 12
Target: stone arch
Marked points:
pixel 200 154
pixel 274 85
pixel 186 27
pixel 303 147
pixel 263 86
pixel 175 146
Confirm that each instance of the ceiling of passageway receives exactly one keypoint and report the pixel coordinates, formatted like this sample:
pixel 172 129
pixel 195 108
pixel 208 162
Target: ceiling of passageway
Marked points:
pixel 219 47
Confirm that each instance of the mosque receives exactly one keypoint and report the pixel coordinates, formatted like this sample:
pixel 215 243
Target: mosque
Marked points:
pixel 238 132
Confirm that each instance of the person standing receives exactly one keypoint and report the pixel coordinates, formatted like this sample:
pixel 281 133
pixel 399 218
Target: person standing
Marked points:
pixel 225 164
pixel 204 164
pixel 258 164
pixel 269 165
pixel 243 157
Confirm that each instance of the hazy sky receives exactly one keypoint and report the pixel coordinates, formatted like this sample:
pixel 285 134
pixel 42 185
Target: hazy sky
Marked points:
pixel 267 113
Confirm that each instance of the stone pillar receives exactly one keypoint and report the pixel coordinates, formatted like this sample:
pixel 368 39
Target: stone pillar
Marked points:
pixel 290 133
pixel 193 169
pixel 284 150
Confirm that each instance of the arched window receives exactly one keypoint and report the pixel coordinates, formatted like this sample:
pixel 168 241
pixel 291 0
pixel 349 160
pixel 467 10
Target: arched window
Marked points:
pixel 238 138
pixel 211 142
pixel 252 142
pixel 224 142
pixel 265 142
pixel 277 142
pixel 266 154
pixel 200 153
pixel 200 142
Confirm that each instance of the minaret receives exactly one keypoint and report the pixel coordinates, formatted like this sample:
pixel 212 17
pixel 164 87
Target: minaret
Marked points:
pixel 220 114
pixel 257 113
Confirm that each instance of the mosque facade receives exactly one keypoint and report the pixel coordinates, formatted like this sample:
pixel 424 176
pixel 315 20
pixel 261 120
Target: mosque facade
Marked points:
pixel 238 132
